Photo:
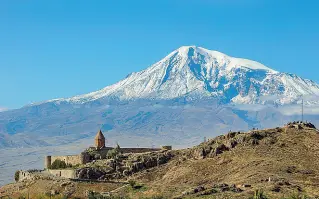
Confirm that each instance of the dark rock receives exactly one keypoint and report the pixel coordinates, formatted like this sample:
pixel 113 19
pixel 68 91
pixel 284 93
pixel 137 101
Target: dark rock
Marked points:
pixel 222 187
pixel 231 135
pixel 54 192
pixel 231 144
pixel 220 149
pixel 194 190
pixel 276 189
pixel 291 169
pixel 199 153
pixel 235 189
pixel 258 135
pixel 306 172
pixel 90 173
pixel 199 189
pixel 254 141
pixel 209 192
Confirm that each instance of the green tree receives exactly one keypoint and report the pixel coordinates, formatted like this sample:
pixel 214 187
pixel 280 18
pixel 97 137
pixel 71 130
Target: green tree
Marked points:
pixel 59 164
pixel 113 153
pixel 16 176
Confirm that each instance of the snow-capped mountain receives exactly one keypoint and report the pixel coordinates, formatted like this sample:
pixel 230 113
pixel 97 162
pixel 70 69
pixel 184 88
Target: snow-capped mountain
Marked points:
pixel 196 72
pixel 190 94
pixel 189 91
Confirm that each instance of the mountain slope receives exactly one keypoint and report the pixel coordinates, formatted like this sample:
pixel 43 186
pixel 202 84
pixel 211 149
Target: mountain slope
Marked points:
pixel 190 94
pixel 187 94
pixel 198 73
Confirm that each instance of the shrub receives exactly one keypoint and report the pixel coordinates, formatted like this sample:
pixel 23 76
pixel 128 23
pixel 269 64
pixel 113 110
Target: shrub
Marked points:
pixel 297 196
pixel 154 197
pixel 95 195
pixel 16 176
pixel 59 164
pixel 111 154
pixel 132 183
pixel 259 194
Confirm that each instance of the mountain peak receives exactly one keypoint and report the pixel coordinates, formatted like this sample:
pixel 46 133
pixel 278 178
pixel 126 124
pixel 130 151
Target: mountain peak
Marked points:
pixel 198 73
pixel 195 51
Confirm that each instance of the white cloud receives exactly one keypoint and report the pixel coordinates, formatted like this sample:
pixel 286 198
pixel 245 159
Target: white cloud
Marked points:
pixel 250 107
pixel 296 110
pixel 289 110
pixel 3 109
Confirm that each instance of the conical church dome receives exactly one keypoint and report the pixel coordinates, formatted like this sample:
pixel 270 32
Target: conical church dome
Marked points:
pixel 99 135
pixel 99 140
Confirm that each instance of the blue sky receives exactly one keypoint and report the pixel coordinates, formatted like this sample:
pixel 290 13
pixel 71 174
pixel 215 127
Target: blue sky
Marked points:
pixel 51 49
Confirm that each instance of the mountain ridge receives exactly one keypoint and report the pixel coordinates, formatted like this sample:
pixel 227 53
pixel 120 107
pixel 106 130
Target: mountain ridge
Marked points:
pixel 198 72
pixel 198 89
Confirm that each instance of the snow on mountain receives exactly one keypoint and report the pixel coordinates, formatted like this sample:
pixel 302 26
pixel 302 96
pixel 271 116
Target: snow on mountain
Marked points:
pixel 198 73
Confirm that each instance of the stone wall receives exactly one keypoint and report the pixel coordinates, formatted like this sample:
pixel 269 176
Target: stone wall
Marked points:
pixel 30 174
pixel 103 152
pixel 139 150
pixel 68 159
pixel 25 175
pixel 64 173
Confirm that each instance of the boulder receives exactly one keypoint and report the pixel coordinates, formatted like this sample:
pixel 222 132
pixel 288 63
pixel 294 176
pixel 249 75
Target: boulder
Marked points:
pixel 90 173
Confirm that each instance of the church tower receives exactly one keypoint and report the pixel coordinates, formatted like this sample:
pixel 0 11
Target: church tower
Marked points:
pixel 99 140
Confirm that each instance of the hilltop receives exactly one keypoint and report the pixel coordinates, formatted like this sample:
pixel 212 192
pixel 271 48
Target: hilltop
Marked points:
pixel 280 161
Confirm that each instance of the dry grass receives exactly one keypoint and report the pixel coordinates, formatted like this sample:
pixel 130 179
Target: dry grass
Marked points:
pixel 295 150
pixel 282 163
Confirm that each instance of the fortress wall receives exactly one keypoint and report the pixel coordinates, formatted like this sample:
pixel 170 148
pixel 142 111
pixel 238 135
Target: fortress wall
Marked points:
pixel 69 159
pixel 64 173
pixel 103 152
pixel 139 150
pixel 25 175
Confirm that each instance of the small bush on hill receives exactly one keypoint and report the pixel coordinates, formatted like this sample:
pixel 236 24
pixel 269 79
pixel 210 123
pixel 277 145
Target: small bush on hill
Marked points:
pixel 154 197
pixel 259 194
pixel 297 196
pixel 132 183
pixel 95 195
pixel 59 164
pixel 113 153
pixel 16 176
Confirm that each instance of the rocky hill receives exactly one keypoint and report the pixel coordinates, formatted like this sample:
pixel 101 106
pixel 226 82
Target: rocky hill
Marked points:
pixel 281 162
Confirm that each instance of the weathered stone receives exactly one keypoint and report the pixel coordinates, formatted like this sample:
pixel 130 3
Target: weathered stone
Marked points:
pixel 54 192
pixel 231 144
pixel 193 190
pixel 291 169
pixel 306 172
pixel 90 173
pixel 199 189
pixel 276 188
pixel 209 192
pixel 220 149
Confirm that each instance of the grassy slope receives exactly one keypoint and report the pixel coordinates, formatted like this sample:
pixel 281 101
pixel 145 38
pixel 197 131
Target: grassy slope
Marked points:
pixel 292 154
pixel 287 156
